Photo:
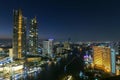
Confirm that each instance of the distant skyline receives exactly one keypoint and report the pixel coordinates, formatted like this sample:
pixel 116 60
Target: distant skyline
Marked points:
pixel 80 20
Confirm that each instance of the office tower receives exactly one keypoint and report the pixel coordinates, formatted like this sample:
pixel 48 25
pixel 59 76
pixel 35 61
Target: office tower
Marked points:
pixel 102 58
pixel 33 37
pixel 97 56
pixel 48 47
pixel 113 60
pixel 19 34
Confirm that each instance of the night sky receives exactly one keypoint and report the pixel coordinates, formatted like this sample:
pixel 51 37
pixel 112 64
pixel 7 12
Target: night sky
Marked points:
pixel 84 20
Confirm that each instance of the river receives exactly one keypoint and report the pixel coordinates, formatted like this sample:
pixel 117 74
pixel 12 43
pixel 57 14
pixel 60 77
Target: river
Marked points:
pixel 57 71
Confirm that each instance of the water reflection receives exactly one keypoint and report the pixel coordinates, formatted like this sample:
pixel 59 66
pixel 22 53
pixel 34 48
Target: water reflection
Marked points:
pixel 50 71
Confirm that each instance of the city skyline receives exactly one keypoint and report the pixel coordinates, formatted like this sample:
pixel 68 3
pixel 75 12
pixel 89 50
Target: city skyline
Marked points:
pixel 78 20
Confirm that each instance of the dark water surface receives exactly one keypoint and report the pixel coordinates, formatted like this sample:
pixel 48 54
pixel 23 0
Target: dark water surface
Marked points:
pixel 56 71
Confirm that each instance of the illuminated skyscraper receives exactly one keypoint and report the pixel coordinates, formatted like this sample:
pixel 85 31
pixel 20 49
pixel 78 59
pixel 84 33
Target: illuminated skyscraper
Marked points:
pixel 102 58
pixel 33 37
pixel 19 34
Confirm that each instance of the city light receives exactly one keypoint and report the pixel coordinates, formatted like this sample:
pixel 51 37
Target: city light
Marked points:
pixel 59 40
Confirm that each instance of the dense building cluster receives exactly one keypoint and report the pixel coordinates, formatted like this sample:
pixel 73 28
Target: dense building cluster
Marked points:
pixel 96 57
pixel 20 35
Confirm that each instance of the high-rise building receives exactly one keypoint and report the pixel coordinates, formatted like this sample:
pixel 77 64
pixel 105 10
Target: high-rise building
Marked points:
pixel 33 37
pixel 97 56
pixel 19 34
pixel 104 58
pixel 113 60
pixel 48 47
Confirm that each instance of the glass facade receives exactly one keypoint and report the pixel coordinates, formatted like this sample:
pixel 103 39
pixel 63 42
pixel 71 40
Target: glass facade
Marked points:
pixel 33 37
pixel 19 34
pixel 102 58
